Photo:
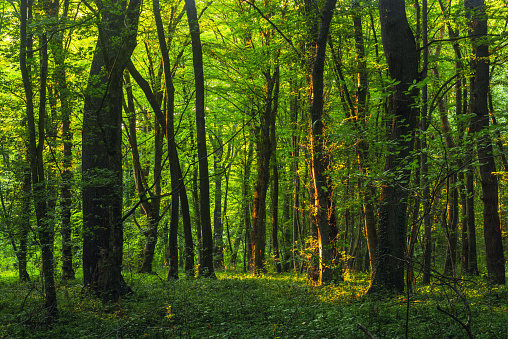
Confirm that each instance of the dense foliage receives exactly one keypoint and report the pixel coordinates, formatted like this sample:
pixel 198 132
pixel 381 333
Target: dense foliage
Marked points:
pixel 330 139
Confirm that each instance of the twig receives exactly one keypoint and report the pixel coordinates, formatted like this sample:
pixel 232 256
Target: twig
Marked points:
pixel 366 331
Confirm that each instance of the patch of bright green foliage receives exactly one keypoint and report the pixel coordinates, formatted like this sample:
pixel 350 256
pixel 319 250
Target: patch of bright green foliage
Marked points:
pixel 244 306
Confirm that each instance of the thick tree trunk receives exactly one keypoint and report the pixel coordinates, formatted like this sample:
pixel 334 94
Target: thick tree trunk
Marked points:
pixel 102 151
pixel 476 12
pixel 402 58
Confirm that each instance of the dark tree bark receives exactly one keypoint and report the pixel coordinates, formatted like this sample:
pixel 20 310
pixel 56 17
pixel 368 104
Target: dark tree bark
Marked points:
pixel 322 196
pixel 275 177
pixel 197 213
pixel 206 268
pixel 179 192
pixel 102 150
pixel 402 58
pixel 476 12
pixel 264 152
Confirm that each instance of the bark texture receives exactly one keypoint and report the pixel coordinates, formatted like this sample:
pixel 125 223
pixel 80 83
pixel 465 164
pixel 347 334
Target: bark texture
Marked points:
pixel 402 58
pixel 206 268
pixel 102 150
pixel 476 11
pixel 320 182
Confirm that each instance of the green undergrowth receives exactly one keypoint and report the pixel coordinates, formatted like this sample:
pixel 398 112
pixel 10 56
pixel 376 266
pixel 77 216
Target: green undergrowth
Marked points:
pixel 243 306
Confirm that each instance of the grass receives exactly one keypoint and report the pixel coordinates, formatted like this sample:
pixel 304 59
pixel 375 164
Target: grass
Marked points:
pixel 243 306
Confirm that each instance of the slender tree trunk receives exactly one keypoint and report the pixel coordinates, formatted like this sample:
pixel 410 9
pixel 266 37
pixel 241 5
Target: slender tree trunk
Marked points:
pixel 295 154
pixel 471 223
pixel 59 52
pixel 150 207
pixel 264 152
pixel 246 193
pixel 195 203
pixel 476 12
pixel 218 227
pixel 319 157
pixel 275 179
pixel 206 268
pixel 367 191
pixel 36 146
pixel 424 166
pixel 24 227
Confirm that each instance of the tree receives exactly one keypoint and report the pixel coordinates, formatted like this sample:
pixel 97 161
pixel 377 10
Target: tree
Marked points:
pixel 36 137
pixel 64 96
pixel 401 55
pixel 151 207
pixel 476 12
pixel 322 194
pixel 206 265
pixel 102 149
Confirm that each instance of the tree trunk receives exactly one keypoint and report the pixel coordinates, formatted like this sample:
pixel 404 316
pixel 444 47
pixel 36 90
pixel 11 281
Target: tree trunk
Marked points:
pixel 58 48
pixel 206 268
pixel 218 227
pixel 102 151
pixel 322 196
pixel 264 150
pixel 402 58
pixel 476 12
pixel 275 179
pixel 246 205
pixel 362 150
pixel 150 207
pixel 35 148
pixel 24 227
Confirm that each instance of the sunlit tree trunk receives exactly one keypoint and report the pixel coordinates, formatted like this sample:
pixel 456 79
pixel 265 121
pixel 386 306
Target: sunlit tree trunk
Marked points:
pixel 319 160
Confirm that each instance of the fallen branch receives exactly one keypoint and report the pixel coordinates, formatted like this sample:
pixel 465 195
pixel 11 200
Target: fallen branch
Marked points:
pixel 366 331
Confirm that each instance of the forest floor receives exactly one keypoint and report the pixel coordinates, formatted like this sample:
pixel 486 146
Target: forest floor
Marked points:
pixel 269 306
